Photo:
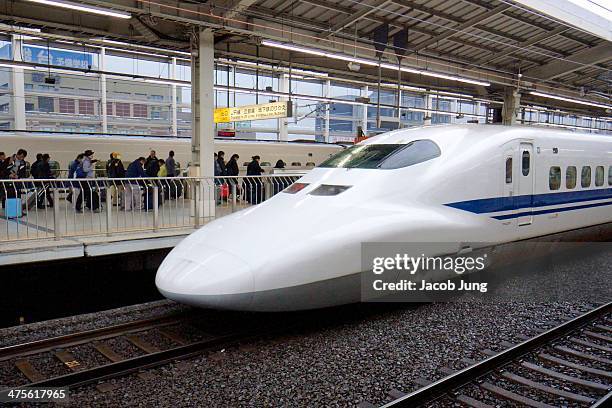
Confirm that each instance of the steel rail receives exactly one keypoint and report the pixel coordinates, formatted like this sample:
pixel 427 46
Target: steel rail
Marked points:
pixel 72 339
pixel 447 384
pixel 147 361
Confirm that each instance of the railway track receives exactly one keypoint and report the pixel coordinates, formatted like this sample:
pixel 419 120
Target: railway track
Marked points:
pixel 569 365
pixel 175 340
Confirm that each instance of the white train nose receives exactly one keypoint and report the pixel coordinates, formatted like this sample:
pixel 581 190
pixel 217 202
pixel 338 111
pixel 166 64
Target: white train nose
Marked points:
pixel 206 277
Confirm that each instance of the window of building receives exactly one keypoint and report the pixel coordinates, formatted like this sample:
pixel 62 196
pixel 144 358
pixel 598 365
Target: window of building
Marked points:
pixel 66 105
pixel 586 176
pixel 554 178
pixel 45 104
pixel 140 110
pixel 525 163
pixel 570 177
pixel 509 170
pixel 86 107
pixel 122 109
pixel 599 176
pixel 109 108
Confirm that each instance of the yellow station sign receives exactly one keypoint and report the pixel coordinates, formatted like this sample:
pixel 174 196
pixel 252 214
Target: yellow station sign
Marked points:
pixel 254 112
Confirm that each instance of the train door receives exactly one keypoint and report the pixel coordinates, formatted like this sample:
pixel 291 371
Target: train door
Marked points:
pixel 525 184
pixel 508 182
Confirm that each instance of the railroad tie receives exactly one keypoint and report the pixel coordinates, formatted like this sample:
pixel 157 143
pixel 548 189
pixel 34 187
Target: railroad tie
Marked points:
pixel 395 394
pixel 583 368
pixel 172 336
pixel 509 395
pixel 474 403
pixel 604 328
pixel 586 356
pixel 29 371
pixel 107 352
pixel 447 370
pixel 545 388
pixel 565 377
pixel 423 382
pixel 142 344
pixel 598 336
pixel 489 352
pixel 591 344
pixel 68 359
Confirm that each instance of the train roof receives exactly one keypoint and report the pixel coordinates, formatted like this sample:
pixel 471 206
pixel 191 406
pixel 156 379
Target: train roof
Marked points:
pixel 445 135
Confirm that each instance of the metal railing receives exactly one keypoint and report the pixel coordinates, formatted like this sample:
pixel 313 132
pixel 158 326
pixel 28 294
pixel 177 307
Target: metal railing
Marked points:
pixel 57 208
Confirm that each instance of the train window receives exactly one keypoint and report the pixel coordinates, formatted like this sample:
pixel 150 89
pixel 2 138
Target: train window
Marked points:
pixel 509 170
pixel 599 176
pixel 610 176
pixel 554 178
pixel 586 176
pixel 384 156
pixel 570 177
pixel 525 163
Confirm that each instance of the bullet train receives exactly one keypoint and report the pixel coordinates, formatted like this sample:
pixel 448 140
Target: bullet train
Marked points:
pixel 63 148
pixel 462 184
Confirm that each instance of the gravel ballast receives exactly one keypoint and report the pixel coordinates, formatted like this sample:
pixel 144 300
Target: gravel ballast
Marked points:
pixel 366 351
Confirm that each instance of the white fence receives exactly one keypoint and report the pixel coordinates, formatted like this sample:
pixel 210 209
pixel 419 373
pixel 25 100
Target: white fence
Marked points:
pixel 56 208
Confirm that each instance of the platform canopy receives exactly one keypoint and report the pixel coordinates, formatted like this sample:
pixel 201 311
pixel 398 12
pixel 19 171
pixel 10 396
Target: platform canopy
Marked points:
pixel 476 46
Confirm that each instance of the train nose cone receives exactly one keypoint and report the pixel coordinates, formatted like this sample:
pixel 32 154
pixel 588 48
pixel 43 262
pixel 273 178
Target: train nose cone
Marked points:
pixel 206 277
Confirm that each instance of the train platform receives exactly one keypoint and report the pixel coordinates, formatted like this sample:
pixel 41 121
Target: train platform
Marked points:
pixel 49 249
pixel 62 232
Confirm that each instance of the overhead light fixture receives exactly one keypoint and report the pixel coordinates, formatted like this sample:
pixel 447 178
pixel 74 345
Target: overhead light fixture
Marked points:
pixel 364 61
pixel 83 7
pixel 563 98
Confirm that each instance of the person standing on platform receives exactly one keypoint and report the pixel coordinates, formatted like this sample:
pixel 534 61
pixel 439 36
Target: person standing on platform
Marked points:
pixel 44 172
pixel 221 161
pixel 35 167
pixel 171 164
pixel 72 168
pixel 133 193
pixel 151 166
pixel 92 199
pixel 232 170
pixel 114 170
pixel 255 187
pixel 163 168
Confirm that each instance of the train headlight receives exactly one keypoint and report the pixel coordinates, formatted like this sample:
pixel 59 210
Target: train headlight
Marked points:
pixel 329 190
pixel 295 188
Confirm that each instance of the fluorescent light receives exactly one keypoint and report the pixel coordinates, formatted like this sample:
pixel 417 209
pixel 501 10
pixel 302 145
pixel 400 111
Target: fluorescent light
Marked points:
pixel 563 98
pixel 84 8
pixel 364 61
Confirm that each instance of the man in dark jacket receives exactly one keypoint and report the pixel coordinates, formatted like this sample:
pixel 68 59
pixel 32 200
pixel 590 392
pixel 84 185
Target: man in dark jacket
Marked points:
pixel 151 165
pixel 171 164
pixel 114 167
pixel 254 186
pixel 133 194
pixel 43 189
pixel 35 168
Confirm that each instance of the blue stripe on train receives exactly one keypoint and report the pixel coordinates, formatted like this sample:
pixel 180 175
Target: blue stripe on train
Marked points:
pixel 497 204
pixel 551 210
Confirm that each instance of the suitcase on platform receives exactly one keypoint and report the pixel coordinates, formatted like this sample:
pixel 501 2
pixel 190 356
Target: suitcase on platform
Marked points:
pixel 12 208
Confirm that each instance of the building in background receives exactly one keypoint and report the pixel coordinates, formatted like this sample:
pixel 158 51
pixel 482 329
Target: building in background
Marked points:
pixel 149 95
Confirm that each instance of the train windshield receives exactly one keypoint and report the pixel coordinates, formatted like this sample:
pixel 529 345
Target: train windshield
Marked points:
pixel 384 156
